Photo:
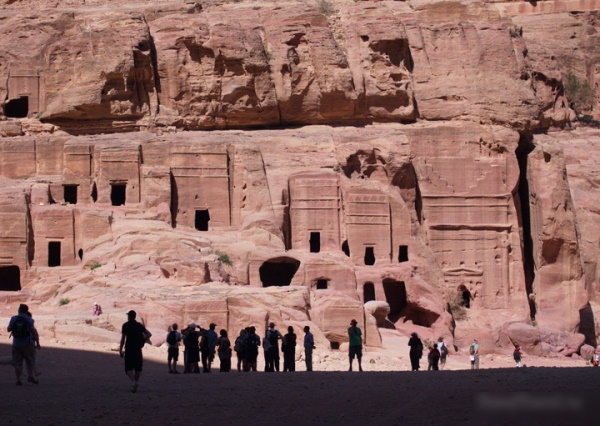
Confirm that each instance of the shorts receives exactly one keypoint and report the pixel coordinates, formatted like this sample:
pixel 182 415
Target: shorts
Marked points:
pixel 355 351
pixel 23 353
pixel 134 360
pixel 173 354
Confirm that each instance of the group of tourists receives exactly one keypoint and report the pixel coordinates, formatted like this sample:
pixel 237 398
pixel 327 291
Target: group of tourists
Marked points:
pixel 203 344
pixel 436 358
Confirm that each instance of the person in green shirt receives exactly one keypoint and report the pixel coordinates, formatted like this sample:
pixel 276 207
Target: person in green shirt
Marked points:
pixel 355 348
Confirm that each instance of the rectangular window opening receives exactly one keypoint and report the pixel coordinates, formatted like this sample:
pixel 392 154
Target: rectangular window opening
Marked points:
pixel 369 256
pixel 322 284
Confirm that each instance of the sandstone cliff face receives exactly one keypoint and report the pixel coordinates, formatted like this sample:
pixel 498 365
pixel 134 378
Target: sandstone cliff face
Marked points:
pixel 421 178
pixel 242 65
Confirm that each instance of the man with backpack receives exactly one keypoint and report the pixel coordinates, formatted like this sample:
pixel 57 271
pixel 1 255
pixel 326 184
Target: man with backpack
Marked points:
pixel 133 338
pixel 21 327
pixel 474 355
pixel 173 340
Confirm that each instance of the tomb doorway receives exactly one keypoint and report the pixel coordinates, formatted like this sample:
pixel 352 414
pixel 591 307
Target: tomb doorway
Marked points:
pixel 201 220
pixel 369 256
pixel 315 242
pixel 278 271
pixel 395 296
pixel 17 108
pixel 403 254
pixel 464 296
pixel 368 292
pixel 70 194
pixel 118 193
pixel 10 278
pixel 54 253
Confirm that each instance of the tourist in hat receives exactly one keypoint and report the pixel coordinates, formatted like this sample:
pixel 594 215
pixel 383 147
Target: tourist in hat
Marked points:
pixel 133 338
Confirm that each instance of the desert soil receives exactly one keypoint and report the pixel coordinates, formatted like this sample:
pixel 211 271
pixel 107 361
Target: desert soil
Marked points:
pixel 85 383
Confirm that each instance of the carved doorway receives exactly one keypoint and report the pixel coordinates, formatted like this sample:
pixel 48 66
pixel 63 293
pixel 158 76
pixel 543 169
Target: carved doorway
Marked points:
pixel 10 278
pixel 395 296
pixel 118 193
pixel 201 220
pixel 278 271
pixel 54 253
pixel 368 292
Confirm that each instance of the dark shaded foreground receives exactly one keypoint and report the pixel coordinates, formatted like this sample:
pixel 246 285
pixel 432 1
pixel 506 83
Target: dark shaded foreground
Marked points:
pixel 91 388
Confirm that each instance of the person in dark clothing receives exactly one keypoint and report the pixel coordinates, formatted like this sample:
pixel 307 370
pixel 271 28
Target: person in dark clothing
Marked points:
pixel 224 352
pixel 133 338
pixel 288 347
pixel 191 342
pixel 240 351
pixel 207 347
pixel 274 336
pixel 433 358
pixel 251 344
pixel 416 351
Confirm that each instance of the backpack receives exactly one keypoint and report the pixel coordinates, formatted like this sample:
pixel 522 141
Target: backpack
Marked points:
pixel 21 328
pixel 273 336
pixel 444 350
pixel 172 338
pixel 472 349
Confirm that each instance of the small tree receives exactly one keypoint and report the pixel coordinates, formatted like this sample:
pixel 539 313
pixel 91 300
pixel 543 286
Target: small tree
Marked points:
pixel 581 94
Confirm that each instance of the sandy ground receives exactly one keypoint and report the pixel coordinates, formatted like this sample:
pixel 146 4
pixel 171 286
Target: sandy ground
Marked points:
pixel 85 383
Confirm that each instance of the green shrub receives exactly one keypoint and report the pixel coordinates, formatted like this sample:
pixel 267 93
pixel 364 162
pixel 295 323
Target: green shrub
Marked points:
pixel 224 258
pixel 64 301
pixel 95 265
pixel 581 94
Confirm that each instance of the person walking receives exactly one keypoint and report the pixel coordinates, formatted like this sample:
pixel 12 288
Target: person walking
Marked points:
pixel 474 355
pixel 288 348
pixel 133 338
pixel 518 356
pixel 173 342
pixel 274 336
pixel 224 352
pixel 355 348
pixel 416 351
pixel 443 352
pixel 433 358
pixel 309 345
pixel 21 327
